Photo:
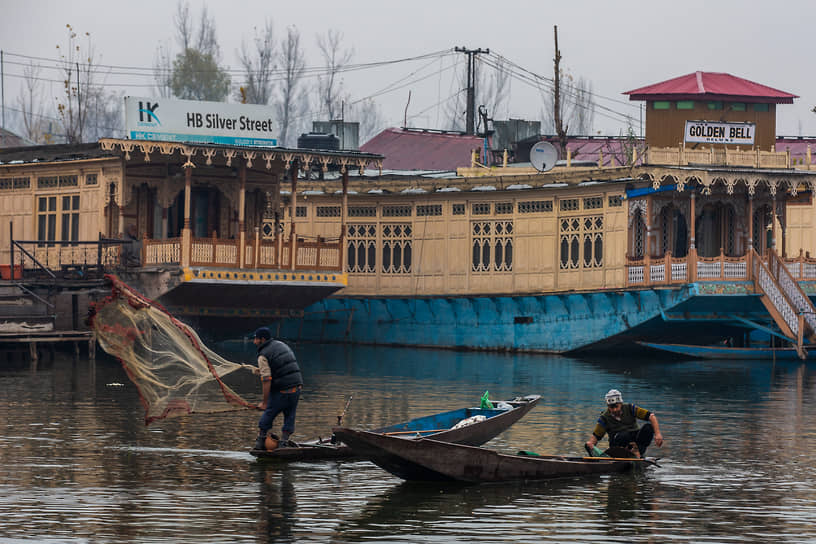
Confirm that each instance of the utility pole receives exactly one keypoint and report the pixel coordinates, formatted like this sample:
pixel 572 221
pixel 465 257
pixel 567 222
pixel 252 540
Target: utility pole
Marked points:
pixel 3 88
pixel 560 129
pixel 470 119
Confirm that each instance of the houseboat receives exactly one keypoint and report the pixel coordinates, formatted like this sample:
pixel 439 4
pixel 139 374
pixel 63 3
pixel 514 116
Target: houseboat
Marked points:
pixel 704 238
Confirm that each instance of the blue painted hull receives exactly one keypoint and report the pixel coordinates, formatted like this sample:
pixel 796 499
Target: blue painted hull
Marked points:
pixel 557 323
pixel 725 352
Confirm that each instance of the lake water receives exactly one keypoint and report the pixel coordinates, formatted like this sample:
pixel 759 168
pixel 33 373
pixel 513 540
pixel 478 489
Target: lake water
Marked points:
pixel 79 465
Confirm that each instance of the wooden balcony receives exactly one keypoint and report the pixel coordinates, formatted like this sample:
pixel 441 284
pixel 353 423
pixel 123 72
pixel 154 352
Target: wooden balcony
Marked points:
pixel 753 158
pixel 668 270
pixel 311 253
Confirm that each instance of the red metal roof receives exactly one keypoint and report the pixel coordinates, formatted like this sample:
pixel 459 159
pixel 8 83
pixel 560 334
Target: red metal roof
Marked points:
pixel 420 150
pixel 711 85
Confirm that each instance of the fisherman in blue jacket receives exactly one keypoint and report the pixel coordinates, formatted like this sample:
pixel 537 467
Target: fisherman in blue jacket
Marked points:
pixel 281 383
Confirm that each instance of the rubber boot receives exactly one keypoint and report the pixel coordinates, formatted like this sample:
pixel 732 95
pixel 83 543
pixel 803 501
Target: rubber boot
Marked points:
pixel 285 442
pixel 260 442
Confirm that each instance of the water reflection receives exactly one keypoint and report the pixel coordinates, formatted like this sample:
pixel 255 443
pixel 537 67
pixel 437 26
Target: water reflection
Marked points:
pixel 78 464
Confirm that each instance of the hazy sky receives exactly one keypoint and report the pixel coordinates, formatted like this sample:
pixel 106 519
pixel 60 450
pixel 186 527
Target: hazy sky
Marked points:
pixel 618 46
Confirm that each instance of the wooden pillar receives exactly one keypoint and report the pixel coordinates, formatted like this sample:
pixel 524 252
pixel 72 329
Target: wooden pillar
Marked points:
pixel 242 216
pixel 773 224
pixel 186 232
pixel 343 218
pixel 648 249
pixel 164 223
pixel 278 227
pixel 749 255
pixel 257 249
pixel 692 254
pixel 293 214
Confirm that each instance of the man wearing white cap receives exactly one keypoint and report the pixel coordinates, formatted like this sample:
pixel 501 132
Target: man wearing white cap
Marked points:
pixel 619 421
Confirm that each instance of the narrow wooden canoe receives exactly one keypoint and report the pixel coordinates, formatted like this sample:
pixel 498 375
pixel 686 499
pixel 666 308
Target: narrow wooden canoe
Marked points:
pixel 440 426
pixel 432 460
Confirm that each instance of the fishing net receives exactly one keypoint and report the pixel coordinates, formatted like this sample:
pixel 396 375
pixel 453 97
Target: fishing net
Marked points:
pixel 175 373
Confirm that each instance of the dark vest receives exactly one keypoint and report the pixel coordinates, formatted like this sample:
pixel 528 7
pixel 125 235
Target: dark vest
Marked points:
pixel 628 421
pixel 282 364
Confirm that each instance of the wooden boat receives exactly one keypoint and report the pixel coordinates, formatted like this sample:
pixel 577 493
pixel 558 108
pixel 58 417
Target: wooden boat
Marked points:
pixel 727 352
pixel 441 426
pixel 432 460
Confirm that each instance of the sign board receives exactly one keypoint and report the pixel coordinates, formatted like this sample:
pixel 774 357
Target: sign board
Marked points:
pixel 194 121
pixel 720 133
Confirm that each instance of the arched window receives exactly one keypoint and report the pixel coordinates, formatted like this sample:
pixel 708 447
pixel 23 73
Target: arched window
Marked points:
pixel 716 230
pixel 674 232
pixel 638 241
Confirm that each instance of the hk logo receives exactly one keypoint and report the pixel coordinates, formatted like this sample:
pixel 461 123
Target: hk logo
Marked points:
pixel 148 110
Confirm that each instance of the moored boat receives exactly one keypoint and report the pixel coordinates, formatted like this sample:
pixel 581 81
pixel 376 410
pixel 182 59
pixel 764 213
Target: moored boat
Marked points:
pixel 471 426
pixel 728 352
pixel 432 460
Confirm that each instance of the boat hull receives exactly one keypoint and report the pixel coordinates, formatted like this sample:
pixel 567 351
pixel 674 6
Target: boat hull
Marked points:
pixel 725 352
pixel 431 460
pixel 475 434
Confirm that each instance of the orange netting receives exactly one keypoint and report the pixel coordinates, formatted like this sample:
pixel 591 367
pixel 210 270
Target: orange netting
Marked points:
pixel 175 373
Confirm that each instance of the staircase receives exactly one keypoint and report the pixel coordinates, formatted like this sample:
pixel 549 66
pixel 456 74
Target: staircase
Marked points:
pixel 789 306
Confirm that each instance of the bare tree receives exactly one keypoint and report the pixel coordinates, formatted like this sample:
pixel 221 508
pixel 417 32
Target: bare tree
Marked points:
pixel 163 70
pixel 79 69
pixel 258 63
pixel 293 101
pixel 105 115
pixel 330 89
pixel 576 105
pixel 30 104
pixel 368 114
pixel 584 110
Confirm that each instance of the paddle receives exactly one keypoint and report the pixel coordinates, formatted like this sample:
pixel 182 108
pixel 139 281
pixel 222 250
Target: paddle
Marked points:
pixel 341 416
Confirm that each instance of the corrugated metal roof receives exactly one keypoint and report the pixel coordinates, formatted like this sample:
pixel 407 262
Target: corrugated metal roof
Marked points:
pixel 420 150
pixel 711 85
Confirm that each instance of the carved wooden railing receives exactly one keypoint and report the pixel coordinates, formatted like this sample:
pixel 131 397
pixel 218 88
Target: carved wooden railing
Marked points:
pixel 755 158
pixel 315 253
pixel 793 292
pixel 782 310
pixel 155 252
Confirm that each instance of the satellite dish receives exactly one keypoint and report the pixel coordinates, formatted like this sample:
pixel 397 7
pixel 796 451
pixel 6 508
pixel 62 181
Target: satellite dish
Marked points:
pixel 543 156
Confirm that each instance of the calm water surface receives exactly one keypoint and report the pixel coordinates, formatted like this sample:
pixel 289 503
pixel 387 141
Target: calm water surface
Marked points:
pixel 78 464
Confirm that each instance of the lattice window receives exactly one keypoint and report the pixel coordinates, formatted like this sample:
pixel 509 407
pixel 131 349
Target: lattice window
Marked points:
pixel 328 211
pixel 492 243
pixel 91 179
pixel 397 243
pixel 362 211
pixel 458 209
pixel 504 208
pixel 569 204
pixel 51 182
pixel 615 201
pixel 5 184
pixel 480 208
pixel 430 209
pixel 14 183
pixel 581 242
pixel 535 206
pixel 639 235
pixel 300 211
pixel 593 203
pixel 361 248
pixel 396 211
